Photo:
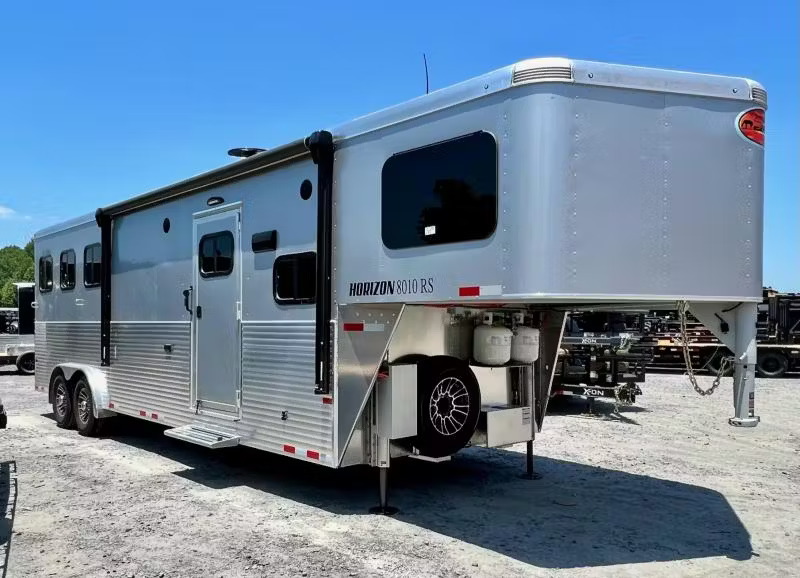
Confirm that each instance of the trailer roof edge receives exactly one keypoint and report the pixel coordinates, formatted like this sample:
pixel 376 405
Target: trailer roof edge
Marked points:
pixel 229 172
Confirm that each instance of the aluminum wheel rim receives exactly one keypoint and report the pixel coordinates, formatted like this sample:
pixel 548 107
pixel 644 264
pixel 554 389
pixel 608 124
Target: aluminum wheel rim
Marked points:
pixel 449 406
pixel 61 399
pixel 83 405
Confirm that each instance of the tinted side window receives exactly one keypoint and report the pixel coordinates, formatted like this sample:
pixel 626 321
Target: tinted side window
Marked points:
pixel 442 193
pixel 295 278
pixel 92 267
pixel 66 269
pixel 215 254
pixel 45 274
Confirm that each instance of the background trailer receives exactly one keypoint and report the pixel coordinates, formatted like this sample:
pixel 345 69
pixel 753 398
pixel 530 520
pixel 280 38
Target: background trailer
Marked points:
pixel 398 285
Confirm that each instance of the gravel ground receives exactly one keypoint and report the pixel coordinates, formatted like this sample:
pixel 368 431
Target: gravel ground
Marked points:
pixel 667 488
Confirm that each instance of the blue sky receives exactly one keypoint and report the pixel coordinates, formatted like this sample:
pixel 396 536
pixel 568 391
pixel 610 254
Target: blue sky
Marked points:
pixel 104 100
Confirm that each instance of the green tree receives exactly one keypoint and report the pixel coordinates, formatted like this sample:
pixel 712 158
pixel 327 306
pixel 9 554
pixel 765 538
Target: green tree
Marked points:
pixel 15 265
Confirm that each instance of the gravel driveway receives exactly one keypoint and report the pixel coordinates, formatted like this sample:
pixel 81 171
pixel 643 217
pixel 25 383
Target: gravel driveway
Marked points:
pixel 667 488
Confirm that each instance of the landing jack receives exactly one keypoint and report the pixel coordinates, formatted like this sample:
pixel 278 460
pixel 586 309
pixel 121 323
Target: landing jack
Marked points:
pixel 384 508
pixel 529 473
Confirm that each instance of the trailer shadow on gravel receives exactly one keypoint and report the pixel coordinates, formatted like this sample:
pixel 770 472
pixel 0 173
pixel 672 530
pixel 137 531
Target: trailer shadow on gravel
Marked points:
pixel 576 515
pixel 8 499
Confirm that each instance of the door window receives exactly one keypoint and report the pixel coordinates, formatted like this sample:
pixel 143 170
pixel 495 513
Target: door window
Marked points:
pixel 216 254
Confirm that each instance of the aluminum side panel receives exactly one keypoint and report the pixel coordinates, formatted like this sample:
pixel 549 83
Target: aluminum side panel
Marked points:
pixel 364 332
pixel 60 342
pixel 150 370
pixel 279 406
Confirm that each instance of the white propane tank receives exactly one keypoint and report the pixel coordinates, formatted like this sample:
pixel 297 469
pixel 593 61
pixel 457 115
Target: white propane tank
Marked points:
pixel 491 345
pixel 525 344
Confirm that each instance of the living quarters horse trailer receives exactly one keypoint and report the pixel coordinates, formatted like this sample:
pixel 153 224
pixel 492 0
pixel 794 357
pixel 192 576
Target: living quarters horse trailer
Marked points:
pixel 398 285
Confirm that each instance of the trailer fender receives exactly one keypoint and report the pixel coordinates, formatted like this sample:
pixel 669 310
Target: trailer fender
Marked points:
pixel 96 379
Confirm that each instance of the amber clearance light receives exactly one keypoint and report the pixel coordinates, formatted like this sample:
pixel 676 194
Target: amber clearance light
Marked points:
pixel 751 125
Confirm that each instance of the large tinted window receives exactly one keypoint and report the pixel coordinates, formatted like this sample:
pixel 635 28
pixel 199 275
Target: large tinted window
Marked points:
pixel 92 266
pixel 66 270
pixel 295 278
pixel 216 254
pixel 45 274
pixel 442 193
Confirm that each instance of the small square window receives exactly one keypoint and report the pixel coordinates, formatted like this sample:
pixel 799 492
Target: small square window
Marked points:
pixel 92 266
pixel 216 254
pixel 66 270
pixel 295 278
pixel 45 274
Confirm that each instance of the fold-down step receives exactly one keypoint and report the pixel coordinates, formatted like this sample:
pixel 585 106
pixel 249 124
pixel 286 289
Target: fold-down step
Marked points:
pixel 203 436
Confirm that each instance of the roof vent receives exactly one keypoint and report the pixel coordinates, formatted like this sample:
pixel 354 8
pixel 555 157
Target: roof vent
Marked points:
pixel 245 152
pixel 759 95
pixel 542 70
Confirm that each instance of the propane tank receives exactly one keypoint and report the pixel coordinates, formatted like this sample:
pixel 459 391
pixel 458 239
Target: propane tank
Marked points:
pixel 525 344
pixel 491 345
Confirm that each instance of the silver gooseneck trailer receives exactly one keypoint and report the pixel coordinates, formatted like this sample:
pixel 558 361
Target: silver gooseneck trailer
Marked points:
pixel 397 286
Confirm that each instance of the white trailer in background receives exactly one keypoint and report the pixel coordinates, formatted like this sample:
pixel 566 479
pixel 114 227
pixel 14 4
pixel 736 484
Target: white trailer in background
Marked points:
pixel 354 296
pixel 16 331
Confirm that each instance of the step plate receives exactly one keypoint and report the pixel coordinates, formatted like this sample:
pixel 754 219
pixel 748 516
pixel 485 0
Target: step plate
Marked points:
pixel 203 436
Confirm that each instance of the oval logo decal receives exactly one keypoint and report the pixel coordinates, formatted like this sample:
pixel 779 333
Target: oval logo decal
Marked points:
pixel 751 125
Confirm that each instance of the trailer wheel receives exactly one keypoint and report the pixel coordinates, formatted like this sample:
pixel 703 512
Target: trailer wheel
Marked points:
pixel 26 364
pixel 62 402
pixel 85 422
pixel 715 362
pixel 771 364
pixel 449 406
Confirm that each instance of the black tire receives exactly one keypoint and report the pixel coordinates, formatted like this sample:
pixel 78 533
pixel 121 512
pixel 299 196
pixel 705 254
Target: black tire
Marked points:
pixel 62 402
pixel 771 364
pixel 449 405
pixel 26 364
pixel 82 401
pixel 714 363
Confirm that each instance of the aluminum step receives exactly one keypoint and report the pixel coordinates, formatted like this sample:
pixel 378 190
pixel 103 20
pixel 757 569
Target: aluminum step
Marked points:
pixel 203 436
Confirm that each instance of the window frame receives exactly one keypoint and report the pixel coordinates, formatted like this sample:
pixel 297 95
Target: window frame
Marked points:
pixel 45 259
pixel 61 284
pixel 86 265
pixel 216 273
pixel 416 150
pixel 293 300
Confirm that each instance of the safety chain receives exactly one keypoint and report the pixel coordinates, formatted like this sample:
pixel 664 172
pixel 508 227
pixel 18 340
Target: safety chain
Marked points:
pixel 724 364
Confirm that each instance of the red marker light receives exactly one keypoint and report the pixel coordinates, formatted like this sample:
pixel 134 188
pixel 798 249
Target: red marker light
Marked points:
pixel 751 125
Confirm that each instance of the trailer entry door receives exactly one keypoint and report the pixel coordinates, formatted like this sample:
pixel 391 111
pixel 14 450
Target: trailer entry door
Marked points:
pixel 216 351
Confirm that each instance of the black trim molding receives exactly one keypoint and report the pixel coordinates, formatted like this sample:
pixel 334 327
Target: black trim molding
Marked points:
pixel 320 144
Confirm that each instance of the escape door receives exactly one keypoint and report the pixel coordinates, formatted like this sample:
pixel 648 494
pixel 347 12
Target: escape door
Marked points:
pixel 216 349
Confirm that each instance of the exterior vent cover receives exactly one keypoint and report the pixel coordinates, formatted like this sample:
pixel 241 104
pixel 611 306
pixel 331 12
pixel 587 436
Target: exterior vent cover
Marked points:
pixel 541 74
pixel 759 95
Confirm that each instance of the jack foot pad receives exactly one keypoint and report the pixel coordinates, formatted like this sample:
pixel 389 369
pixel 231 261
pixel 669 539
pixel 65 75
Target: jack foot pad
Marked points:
pixel 384 510
pixel 533 476
pixel 744 421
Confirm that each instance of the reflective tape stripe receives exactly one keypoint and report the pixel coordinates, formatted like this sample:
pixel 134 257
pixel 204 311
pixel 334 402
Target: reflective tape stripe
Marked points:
pixel 312 454
pixel 288 449
pixel 480 291
pixel 361 326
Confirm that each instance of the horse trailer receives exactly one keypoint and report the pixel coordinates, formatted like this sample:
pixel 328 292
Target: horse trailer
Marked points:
pixel 16 331
pixel 397 286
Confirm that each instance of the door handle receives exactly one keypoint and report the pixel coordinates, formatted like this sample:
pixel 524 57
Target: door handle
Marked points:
pixel 186 295
pixel 199 312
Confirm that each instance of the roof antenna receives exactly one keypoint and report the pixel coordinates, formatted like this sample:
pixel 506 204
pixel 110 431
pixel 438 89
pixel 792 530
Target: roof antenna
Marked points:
pixel 427 85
